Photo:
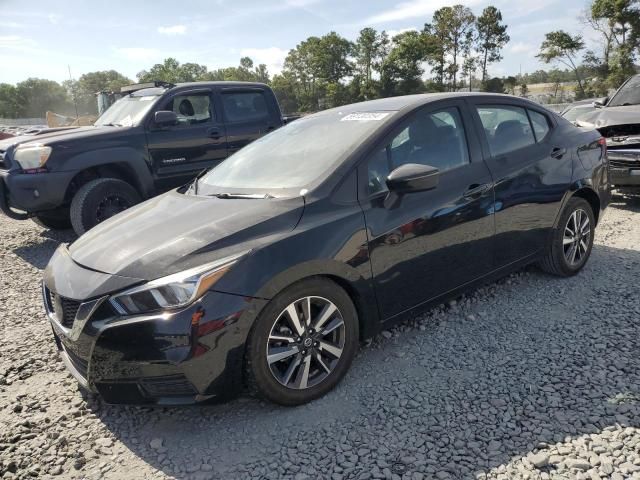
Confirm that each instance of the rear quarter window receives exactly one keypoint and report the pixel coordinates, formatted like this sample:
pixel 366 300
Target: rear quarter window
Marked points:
pixel 540 124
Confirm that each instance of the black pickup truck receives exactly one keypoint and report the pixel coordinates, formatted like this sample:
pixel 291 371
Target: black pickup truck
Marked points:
pixel 157 137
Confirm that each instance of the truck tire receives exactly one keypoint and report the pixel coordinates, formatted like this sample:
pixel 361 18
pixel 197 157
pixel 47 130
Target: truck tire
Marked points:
pixel 100 199
pixel 55 219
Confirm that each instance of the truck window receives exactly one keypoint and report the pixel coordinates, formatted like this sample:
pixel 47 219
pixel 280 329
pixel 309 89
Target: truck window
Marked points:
pixel 244 106
pixel 191 108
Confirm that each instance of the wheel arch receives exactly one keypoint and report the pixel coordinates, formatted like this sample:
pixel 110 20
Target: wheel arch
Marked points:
pixel 135 173
pixel 581 189
pixel 346 277
pixel 592 197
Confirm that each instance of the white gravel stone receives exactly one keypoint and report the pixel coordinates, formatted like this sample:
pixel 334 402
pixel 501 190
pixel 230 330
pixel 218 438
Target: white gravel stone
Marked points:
pixel 493 385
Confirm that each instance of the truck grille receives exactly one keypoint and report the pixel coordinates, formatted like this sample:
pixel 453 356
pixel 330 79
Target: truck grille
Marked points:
pixel 619 163
pixel 63 308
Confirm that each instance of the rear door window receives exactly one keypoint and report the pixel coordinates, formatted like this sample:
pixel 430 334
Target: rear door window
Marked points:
pixel 244 106
pixel 507 128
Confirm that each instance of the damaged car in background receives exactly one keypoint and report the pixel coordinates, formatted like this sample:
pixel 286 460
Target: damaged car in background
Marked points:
pixel 618 120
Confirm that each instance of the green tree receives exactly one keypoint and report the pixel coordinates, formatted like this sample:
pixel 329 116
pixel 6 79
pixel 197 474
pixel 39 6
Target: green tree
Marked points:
pixel 618 21
pixel 370 50
pixel 11 104
pixel 562 47
pixel 41 95
pixel 402 68
pixel 170 70
pixel 82 91
pixel 491 37
pixel 455 28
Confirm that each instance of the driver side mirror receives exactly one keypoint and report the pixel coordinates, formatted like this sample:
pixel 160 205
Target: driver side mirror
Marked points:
pixel 165 118
pixel 410 178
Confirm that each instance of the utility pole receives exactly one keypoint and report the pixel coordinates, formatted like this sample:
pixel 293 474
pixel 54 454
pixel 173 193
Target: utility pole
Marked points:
pixel 73 92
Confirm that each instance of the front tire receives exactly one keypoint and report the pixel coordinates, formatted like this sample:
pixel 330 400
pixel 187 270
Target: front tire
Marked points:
pixel 571 243
pixel 99 200
pixel 303 342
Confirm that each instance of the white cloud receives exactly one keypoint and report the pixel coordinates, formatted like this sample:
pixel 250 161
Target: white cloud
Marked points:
pixel 139 53
pixel 54 18
pixel 272 57
pixel 392 33
pixel 173 30
pixel 522 47
pixel 17 43
pixel 413 9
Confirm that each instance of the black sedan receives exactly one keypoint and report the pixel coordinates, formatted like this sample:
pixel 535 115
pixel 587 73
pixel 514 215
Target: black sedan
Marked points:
pixel 265 272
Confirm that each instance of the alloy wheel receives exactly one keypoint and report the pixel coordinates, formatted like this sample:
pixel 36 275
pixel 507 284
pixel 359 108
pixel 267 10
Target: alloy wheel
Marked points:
pixel 577 235
pixel 306 342
pixel 110 206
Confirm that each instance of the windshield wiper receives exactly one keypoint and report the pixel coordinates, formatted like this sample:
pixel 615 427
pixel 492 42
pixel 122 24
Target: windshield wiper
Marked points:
pixel 257 196
pixel 111 125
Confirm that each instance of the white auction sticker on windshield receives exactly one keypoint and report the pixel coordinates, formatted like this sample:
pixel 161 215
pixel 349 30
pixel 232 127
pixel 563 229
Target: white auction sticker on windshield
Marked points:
pixel 147 98
pixel 364 117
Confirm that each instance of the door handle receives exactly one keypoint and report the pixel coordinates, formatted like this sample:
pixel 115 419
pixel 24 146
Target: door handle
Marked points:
pixel 475 190
pixel 214 133
pixel 558 152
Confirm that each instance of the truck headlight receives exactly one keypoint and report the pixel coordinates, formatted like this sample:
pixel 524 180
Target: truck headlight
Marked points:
pixel 31 157
pixel 174 291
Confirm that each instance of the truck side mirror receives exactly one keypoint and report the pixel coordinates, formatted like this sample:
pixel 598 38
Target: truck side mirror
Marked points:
pixel 165 118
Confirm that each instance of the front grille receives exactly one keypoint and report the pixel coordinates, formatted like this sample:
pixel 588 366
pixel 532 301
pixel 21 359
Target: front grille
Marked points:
pixel 79 363
pixel 67 308
pixel 620 163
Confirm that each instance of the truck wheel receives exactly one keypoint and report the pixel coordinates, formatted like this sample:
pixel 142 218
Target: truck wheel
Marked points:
pixel 55 219
pixel 98 200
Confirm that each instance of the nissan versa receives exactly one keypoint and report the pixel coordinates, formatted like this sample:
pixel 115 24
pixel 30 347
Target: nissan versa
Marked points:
pixel 266 271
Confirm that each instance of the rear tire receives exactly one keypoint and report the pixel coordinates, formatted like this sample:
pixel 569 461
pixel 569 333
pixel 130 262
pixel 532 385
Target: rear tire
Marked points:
pixel 99 200
pixel 320 359
pixel 571 243
pixel 55 220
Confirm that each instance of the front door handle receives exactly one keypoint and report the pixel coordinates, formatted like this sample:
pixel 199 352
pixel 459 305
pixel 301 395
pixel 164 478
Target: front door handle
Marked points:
pixel 476 190
pixel 558 152
pixel 214 133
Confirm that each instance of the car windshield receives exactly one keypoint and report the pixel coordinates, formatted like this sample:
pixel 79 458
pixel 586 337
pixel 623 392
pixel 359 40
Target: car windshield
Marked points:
pixel 629 94
pixel 128 111
pixel 294 156
pixel 575 112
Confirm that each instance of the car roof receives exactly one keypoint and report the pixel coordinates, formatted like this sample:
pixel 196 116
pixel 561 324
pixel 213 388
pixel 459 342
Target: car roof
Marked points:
pixel 413 101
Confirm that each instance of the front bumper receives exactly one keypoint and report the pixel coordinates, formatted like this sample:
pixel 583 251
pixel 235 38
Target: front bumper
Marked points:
pixel 179 357
pixel 624 167
pixel 32 193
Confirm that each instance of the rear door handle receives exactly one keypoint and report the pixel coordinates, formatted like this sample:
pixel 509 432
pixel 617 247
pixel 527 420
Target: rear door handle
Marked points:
pixel 558 152
pixel 475 190
pixel 214 133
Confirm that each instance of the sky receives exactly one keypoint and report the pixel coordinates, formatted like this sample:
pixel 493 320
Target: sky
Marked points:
pixel 43 38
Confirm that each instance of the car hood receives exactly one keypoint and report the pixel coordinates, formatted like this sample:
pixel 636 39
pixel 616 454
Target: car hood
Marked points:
pixel 59 135
pixel 174 232
pixel 608 116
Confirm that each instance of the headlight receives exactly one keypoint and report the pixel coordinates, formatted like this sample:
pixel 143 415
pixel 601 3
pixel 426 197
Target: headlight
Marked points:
pixel 32 156
pixel 175 291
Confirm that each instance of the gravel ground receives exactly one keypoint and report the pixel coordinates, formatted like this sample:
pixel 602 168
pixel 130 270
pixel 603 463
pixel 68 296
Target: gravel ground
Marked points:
pixel 530 377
